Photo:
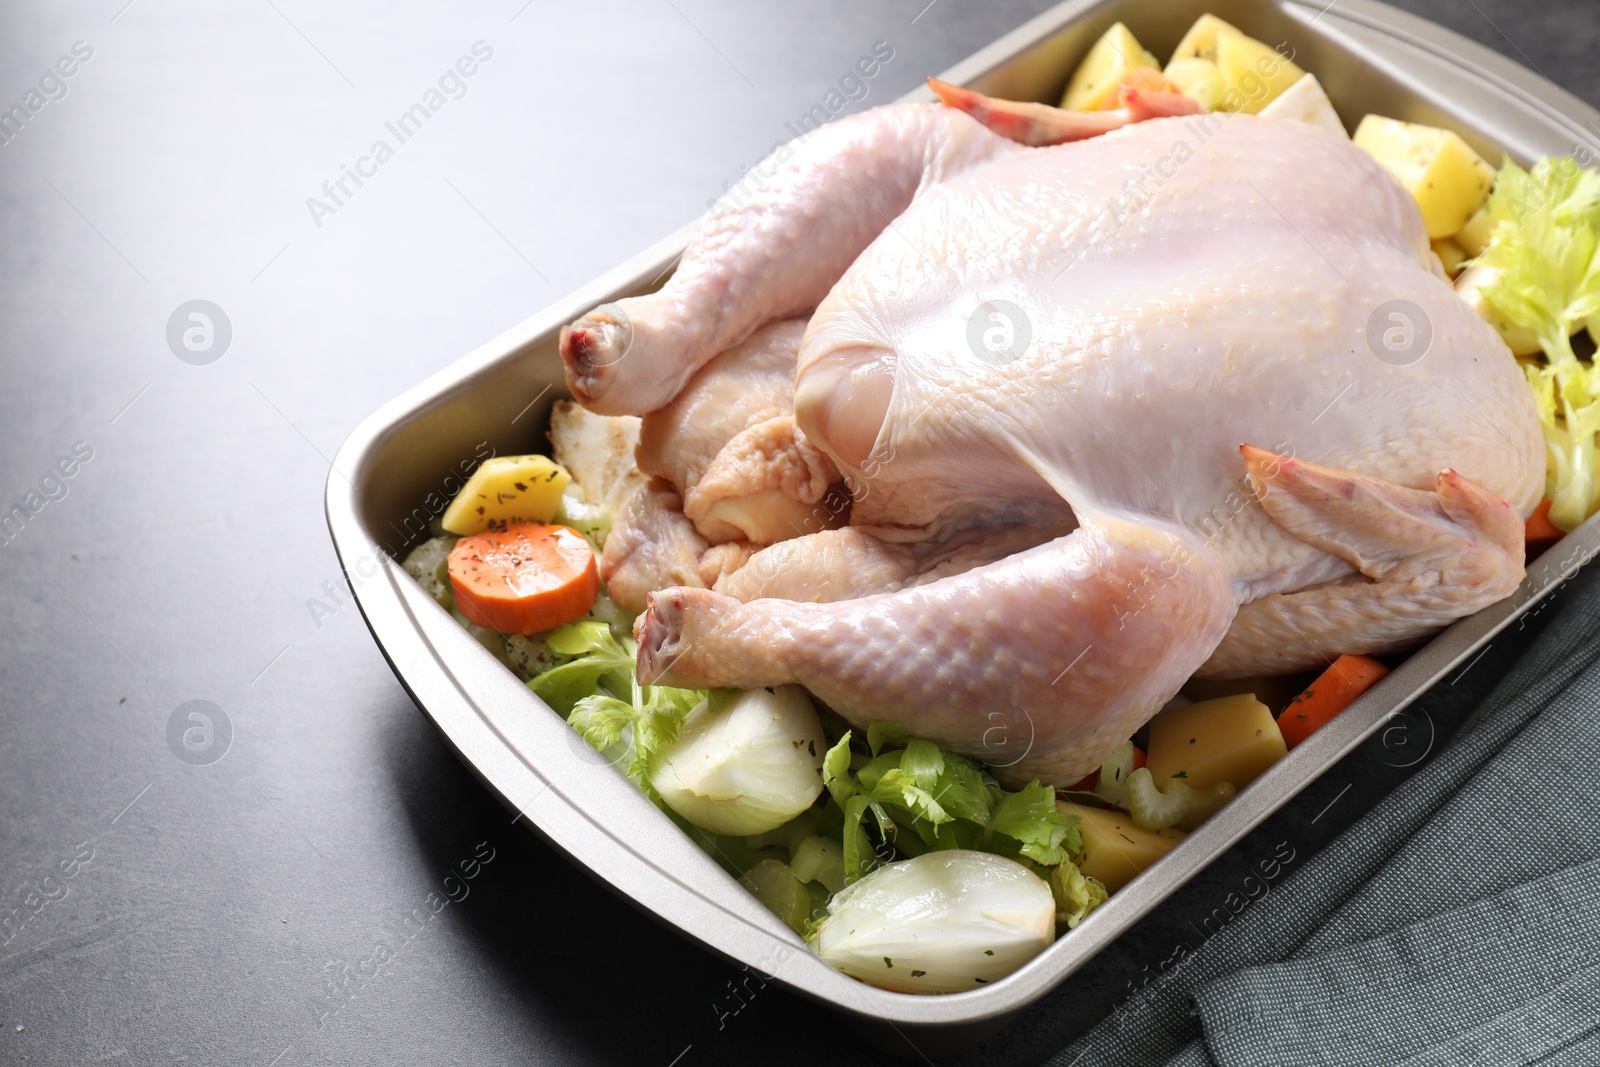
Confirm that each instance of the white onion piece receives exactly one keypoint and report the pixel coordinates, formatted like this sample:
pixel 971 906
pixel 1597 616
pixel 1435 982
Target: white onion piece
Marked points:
pixel 944 922
pixel 748 769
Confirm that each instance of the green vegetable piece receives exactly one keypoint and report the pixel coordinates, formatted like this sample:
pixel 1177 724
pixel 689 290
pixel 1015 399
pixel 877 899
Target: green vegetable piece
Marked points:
pixel 775 885
pixel 790 834
pixel 1076 893
pixel 1546 279
pixel 1182 805
pixel 605 610
pixel 597 691
pixel 944 800
pixel 596 654
pixel 818 859
pixel 531 655
pixel 601 719
pixel 922 762
pixel 733 854
pixel 1114 774
pixel 880 735
pixel 1031 817
pixel 593 521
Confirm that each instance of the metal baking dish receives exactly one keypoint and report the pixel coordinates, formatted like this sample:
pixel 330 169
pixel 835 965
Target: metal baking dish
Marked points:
pixel 1371 59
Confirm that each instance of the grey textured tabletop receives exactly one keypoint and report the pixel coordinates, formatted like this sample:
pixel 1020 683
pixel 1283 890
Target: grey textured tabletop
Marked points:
pixel 254 910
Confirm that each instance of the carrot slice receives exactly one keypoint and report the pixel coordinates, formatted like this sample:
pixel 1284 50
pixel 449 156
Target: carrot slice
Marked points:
pixel 525 578
pixel 1334 690
pixel 1541 532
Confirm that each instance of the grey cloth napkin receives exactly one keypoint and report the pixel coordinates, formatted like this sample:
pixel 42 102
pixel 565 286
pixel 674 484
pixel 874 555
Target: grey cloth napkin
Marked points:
pixel 1428 992
pixel 1457 922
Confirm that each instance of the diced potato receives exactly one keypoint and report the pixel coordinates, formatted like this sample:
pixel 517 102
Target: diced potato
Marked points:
pixel 1253 73
pixel 597 450
pixel 1201 40
pixel 1231 739
pixel 1094 83
pixel 1114 849
pixel 1198 78
pixel 1521 340
pixel 1451 255
pixel 1275 691
pixel 1305 101
pixel 1474 236
pixel 1448 179
pixel 507 489
pixel 1249 74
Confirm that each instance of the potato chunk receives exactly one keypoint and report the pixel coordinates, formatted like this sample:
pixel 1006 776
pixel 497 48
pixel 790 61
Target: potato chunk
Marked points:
pixel 1094 84
pixel 1451 255
pixel 507 489
pixel 1228 71
pixel 1198 78
pixel 1474 235
pixel 1114 849
pixel 1231 739
pixel 1201 40
pixel 1253 73
pixel 1448 179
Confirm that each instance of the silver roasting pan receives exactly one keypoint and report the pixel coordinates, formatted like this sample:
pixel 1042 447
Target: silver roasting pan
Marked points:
pixel 1369 57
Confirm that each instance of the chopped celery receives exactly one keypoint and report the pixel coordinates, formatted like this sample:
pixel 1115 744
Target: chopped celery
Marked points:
pixel 1076 893
pixel 605 610
pixel 1544 248
pixel 924 799
pixel 774 884
pixel 593 521
pixel 1181 805
pixel 817 859
pixel 1114 773
pixel 598 692
pixel 790 834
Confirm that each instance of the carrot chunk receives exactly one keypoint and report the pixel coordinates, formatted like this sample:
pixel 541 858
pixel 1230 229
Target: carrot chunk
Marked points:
pixel 525 578
pixel 1541 532
pixel 1333 691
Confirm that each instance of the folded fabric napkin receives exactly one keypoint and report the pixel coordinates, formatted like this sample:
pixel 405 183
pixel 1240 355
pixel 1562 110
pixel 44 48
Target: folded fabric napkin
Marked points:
pixel 1457 922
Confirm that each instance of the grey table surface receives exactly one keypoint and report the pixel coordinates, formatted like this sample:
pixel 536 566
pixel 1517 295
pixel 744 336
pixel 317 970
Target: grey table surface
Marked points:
pixel 294 901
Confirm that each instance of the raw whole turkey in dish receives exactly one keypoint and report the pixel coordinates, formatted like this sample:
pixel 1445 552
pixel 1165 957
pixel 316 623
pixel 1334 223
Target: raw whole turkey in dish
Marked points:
pixel 956 430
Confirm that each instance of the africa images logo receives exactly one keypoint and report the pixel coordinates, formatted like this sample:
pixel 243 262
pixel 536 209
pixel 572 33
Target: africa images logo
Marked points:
pixel 52 86
pixel 199 733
